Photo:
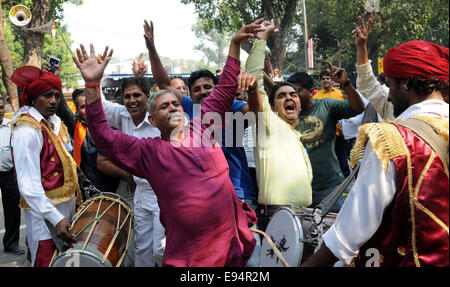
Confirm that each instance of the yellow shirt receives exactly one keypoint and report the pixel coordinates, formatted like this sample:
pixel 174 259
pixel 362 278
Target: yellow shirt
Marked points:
pixel 283 169
pixel 332 94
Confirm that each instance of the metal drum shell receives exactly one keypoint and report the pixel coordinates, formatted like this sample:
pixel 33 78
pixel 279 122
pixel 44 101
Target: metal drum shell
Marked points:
pixel 295 249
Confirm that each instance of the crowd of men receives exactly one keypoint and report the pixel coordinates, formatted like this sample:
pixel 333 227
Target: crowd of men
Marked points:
pixel 200 165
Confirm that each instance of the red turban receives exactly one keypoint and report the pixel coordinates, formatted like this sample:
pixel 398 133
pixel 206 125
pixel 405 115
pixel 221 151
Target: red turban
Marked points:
pixel 417 59
pixel 34 82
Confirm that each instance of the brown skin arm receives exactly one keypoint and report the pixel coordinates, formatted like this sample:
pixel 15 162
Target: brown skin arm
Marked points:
pixel 339 75
pixel 268 82
pixel 159 73
pixel 108 167
pixel 139 67
pixel 322 258
pixel 242 35
pixel 361 35
pixel 249 84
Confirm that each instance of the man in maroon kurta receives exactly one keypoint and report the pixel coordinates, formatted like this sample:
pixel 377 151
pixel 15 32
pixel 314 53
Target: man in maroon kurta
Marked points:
pixel 206 224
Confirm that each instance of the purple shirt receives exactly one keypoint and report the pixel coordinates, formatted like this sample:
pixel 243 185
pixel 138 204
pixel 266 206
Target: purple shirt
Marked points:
pixel 205 223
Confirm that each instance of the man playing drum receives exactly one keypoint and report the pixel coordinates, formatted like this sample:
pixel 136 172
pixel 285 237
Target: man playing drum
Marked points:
pixel 397 213
pixel 45 170
pixel 205 223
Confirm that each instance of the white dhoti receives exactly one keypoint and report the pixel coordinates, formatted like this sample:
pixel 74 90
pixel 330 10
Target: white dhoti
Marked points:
pixel 149 234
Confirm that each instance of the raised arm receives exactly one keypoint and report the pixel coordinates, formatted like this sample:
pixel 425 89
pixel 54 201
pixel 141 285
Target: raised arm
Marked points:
pixel 255 63
pixel 114 144
pixel 249 83
pixel 139 67
pixel 339 75
pixel 361 35
pixel 222 97
pixel 159 73
pixel 366 82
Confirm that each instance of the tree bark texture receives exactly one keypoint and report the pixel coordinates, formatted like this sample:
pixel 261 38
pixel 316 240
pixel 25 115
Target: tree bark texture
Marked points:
pixel 33 41
pixel 7 67
pixel 277 43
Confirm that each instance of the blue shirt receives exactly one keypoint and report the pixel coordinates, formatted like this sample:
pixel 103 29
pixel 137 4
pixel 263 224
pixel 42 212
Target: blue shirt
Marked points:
pixel 234 154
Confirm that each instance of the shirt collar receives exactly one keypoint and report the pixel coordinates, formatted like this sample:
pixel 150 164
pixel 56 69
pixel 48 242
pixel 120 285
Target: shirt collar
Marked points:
pixel 5 122
pixel 126 114
pixel 433 108
pixel 55 120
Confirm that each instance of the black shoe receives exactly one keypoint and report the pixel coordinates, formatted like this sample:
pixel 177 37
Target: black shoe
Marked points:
pixel 15 251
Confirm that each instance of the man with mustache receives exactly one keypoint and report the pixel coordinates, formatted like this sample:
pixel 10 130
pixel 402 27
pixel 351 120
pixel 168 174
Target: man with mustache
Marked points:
pixel 318 120
pixel 132 118
pixel 282 166
pixel 45 170
pixel 205 223
pixel 397 213
pixel 201 84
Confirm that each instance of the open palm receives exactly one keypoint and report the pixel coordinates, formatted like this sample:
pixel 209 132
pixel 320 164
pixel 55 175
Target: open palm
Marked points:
pixel 90 67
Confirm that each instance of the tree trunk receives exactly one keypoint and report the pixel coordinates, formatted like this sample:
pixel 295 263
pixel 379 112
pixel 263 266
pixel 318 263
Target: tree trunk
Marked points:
pixel 33 41
pixel 277 43
pixel 7 67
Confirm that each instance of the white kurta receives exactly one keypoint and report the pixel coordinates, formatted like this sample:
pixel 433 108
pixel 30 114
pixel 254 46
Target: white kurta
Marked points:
pixel 372 90
pixel 149 233
pixel 350 126
pixel 5 146
pixel 27 144
pixel 372 192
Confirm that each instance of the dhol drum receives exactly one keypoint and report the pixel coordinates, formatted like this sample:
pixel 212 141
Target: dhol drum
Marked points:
pixel 294 233
pixel 103 227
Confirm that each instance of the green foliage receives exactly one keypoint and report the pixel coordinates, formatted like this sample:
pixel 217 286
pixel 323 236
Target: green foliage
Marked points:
pixel 52 46
pixel 212 44
pixel 330 23
pixel 186 66
pixel 56 47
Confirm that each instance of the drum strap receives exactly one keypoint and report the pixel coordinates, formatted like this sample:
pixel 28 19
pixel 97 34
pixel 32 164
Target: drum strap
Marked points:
pixel 327 203
pixel 86 185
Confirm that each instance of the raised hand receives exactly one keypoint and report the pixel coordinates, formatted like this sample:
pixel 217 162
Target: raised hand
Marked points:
pixel 139 67
pixel 248 31
pixel 247 82
pixel 362 31
pixel 269 28
pixel 100 57
pixel 148 35
pixel 339 75
pixel 89 65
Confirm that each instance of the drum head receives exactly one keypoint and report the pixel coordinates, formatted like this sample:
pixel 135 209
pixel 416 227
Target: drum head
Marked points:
pixel 112 195
pixel 286 233
pixel 76 258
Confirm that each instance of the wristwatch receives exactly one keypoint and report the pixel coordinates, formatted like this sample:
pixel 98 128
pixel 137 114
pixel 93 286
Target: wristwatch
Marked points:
pixel 346 84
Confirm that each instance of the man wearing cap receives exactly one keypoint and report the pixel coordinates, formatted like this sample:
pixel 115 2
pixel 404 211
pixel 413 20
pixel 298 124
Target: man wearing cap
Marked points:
pixel 397 213
pixel 46 173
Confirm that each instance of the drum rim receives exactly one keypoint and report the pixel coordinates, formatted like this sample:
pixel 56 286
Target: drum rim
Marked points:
pixel 84 253
pixel 119 200
pixel 299 226
pixel 122 199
